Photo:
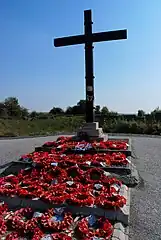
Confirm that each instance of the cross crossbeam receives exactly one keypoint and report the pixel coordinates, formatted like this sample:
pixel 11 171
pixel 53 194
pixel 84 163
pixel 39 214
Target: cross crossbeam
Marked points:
pixel 88 39
pixel 96 37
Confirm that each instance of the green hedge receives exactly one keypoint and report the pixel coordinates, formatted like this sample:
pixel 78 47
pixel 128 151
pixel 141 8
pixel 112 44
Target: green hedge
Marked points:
pixel 70 124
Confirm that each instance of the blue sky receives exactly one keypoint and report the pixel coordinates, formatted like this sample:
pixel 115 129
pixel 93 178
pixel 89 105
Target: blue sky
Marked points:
pixel 127 73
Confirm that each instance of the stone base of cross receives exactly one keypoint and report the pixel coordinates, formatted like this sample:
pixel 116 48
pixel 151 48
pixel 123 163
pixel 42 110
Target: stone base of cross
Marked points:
pixel 92 131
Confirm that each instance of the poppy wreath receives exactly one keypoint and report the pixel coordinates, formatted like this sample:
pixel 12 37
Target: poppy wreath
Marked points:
pixel 42 179
pixel 75 173
pixel 73 187
pixel 21 220
pixel 19 224
pixel 99 158
pixel 81 199
pixel 3 227
pixel 99 189
pixel 54 173
pixel 39 175
pixel 96 159
pixel 34 186
pixel 43 159
pixel 64 146
pixel 74 158
pixel 24 175
pixel 110 201
pixel 50 144
pixel 118 159
pixel 34 189
pixel 55 194
pixel 94 175
pixel 22 223
pixel 46 159
pixel 57 191
pixel 103 229
pixel 25 192
pixel 17 221
pixel 60 140
pixel 60 236
pixel 57 199
pixel 108 189
pixel 67 143
pixel 23 188
pixel 13 235
pixel 38 234
pixel 48 224
pixel 8 190
pixel 110 159
pixel 63 139
pixel 10 179
pixel 108 181
pixel 3 208
pixel 67 163
pixel 111 144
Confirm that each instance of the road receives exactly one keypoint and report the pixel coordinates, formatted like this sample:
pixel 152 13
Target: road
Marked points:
pixel 145 217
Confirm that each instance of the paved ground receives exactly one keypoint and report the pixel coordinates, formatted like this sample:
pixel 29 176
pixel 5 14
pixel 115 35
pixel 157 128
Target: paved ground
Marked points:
pixel 145 222
pixel 146 200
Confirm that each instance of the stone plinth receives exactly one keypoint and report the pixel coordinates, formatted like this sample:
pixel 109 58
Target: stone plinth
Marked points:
pixel 92 130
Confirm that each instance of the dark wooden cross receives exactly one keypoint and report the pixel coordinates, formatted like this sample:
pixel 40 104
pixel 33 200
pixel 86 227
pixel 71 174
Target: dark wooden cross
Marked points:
pixel 88 39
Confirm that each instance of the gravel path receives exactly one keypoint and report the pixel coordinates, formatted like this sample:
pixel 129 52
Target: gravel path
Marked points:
pixel 145 222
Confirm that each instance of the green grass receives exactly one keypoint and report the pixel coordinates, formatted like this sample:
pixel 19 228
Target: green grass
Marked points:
pixel 15 128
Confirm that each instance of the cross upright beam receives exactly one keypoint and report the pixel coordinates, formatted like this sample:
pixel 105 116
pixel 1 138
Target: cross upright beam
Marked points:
pixel 88 39
pixel 89 67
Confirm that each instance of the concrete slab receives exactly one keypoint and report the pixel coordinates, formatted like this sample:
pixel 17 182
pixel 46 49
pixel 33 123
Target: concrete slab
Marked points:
pixel 131 180
pixel 120 232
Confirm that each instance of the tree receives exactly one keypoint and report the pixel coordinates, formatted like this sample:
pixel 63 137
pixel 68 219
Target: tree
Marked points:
pixel 104 111
pixel 3 110
pixel 141 113
pixel 76 110
pixel 56 110
pixel 42 115
pixel 12 106
pixel 81 106
pixel 33 115
pixel 97 109
pixel 69 110
pixel 156 114
pixel 24 113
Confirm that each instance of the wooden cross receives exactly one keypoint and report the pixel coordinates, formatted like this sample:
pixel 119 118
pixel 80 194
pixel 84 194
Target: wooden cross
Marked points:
pixel 88 39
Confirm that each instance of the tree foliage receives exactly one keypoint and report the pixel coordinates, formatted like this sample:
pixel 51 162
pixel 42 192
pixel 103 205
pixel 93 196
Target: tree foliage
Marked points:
pixel 10 109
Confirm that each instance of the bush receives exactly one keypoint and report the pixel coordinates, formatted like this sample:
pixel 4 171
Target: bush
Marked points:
pixel 50 126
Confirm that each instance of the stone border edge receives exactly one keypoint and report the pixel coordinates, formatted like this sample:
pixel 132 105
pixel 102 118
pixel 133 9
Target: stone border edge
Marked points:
pixel 73 133
pixel 120 232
